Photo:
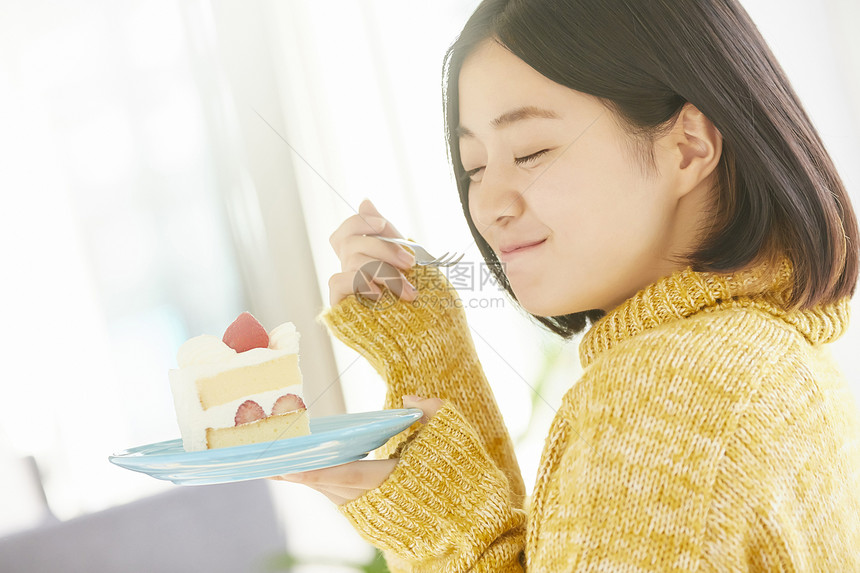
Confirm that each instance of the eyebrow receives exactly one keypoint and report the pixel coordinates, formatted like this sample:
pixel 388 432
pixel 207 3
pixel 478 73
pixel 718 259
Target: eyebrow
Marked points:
pixel 509 117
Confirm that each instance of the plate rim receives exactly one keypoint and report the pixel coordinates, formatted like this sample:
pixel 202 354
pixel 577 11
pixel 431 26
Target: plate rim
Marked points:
pixel 231 451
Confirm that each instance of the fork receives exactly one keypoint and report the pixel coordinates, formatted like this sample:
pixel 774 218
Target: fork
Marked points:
pixel 422 257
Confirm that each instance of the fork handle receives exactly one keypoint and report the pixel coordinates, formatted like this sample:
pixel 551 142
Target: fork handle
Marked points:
pixel 394 240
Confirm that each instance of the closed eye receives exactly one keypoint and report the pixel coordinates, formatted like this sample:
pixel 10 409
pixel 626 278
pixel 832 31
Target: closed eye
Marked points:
pixel 520 161
pixel 529 158
pixel 472 172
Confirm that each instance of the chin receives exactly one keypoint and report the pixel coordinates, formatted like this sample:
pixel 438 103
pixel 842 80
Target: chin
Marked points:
pixel 541 306
pixel 545 305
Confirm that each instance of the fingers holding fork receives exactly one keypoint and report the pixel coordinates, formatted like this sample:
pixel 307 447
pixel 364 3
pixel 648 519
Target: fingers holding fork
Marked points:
pixel 366 262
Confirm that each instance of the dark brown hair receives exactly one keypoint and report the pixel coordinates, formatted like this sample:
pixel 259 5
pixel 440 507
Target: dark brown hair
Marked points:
pixel 778 192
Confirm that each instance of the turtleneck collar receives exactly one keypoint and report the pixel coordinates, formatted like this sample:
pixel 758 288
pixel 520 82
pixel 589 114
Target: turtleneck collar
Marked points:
pixel 687 292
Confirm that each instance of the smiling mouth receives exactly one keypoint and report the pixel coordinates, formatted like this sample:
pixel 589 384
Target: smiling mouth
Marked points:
pixel 509 252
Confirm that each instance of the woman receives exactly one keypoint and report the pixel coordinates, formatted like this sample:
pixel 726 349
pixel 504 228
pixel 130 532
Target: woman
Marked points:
pixel 644 167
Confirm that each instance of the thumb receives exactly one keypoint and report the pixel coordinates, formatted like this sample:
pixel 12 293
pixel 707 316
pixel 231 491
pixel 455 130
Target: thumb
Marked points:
pixel 427 405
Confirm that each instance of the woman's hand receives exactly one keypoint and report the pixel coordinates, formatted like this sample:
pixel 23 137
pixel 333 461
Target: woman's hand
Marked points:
pixel 347 482
pixel 361 254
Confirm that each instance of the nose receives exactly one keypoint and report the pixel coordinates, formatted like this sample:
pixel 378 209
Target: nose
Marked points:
pixel 496 200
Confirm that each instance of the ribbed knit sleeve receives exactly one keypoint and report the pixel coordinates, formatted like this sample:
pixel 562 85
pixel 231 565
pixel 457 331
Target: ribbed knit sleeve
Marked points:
pixel 445 506
pixel 425 348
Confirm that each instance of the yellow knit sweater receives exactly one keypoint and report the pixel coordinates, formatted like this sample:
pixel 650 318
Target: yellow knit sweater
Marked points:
pixel 710 431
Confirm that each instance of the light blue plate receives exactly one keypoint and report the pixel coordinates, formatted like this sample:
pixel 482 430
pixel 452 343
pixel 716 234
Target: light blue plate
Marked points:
pixel 334 440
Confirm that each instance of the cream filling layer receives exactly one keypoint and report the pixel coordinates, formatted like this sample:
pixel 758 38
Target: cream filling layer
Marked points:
pixel 225 414
pixel 193 419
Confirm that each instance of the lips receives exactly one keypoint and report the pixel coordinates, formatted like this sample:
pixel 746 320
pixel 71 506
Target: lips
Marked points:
pixel 513 250
pixel 510 248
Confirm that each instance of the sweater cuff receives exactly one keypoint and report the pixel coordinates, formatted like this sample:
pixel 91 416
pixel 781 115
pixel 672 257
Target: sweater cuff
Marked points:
pixel 444 497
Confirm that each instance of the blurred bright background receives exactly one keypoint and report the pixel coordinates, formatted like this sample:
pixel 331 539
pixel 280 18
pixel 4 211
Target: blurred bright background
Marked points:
pixel 167 165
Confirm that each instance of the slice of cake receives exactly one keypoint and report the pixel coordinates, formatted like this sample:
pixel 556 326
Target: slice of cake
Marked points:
pixel 241 389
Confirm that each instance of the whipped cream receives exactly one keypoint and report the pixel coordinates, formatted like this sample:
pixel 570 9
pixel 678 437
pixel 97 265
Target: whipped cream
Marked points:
pixel 203 349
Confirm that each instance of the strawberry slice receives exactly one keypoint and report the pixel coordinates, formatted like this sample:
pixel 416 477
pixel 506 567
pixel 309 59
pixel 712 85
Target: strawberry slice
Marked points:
pixel 287 403
pixel 249 411
pixel 246 333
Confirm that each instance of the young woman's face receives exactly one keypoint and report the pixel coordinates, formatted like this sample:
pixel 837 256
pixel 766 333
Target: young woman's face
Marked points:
pixel 556 193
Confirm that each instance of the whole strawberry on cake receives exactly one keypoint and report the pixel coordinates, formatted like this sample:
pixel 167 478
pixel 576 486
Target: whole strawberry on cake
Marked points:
pixel 240 389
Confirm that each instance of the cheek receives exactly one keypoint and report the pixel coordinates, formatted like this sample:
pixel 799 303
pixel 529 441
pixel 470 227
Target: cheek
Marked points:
pixel 603 211
pixel 574 199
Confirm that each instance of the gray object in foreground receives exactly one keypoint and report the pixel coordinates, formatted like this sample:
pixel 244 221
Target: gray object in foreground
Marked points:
pixel 217 528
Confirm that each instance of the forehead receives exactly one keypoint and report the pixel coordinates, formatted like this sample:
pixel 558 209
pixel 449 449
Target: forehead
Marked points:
pixel 493 83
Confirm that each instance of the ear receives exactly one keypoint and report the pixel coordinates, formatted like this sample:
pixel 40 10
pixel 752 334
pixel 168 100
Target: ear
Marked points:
pixel 699 146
